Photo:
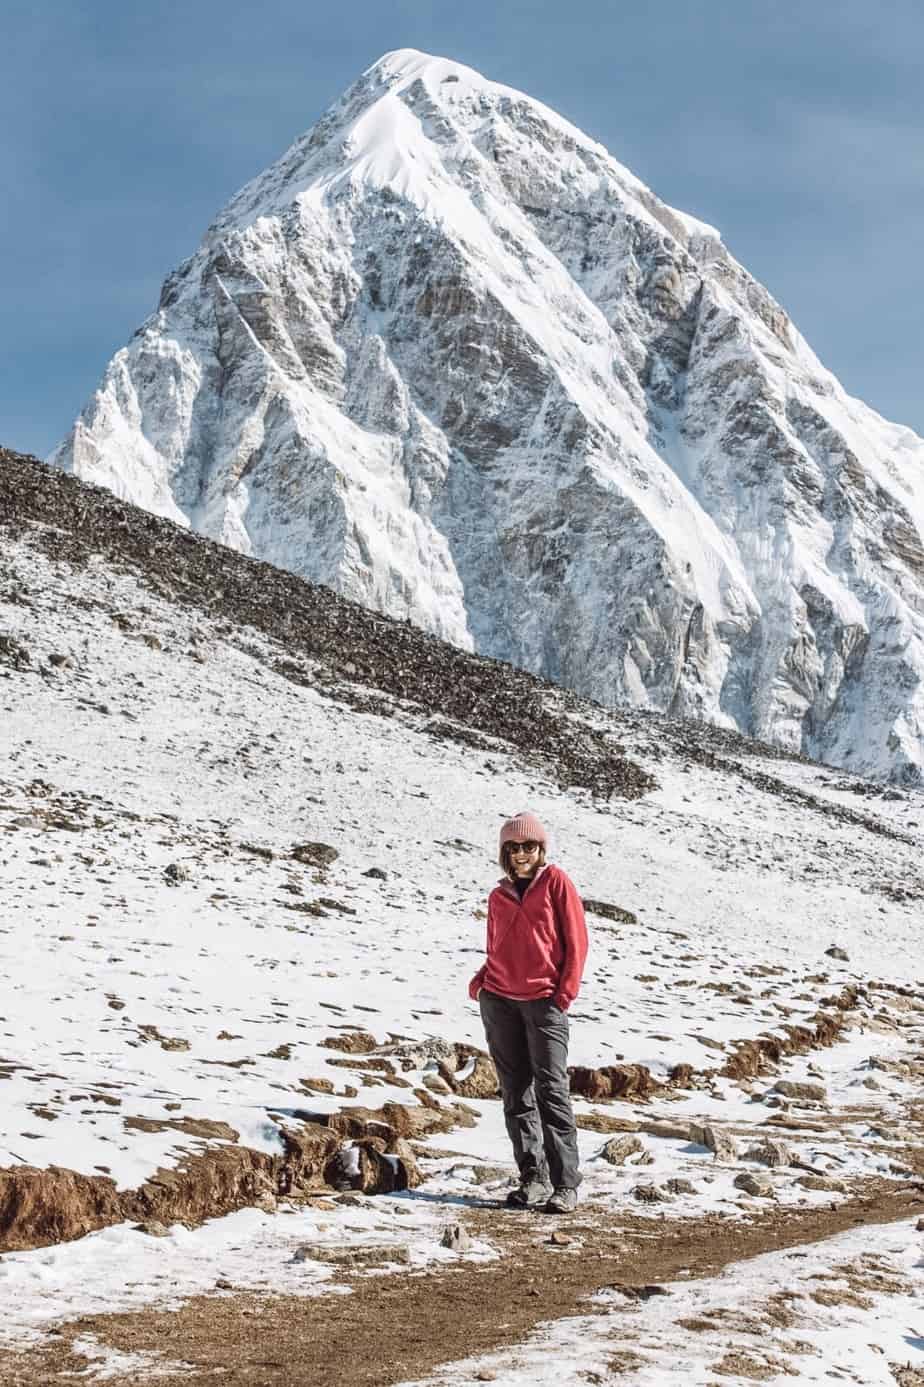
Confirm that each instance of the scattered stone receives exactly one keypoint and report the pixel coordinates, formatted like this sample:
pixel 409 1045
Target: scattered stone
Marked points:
pixel 351 1042
pixel 455 1238
pixel 770 1153
pixel 809 1093
pixel 559 1239
pixel 823 1184
pixel 267 1203
pixel 153 1229
pixel 836 952
pixel 610 912
pixel 670 1131
pixel 317 855
pixel 723 1146
pixel 256 850
pixel 436 1083
pixel 316 1085
pixel 618 1149
pixel 476 1079
pixel 223 1284
pixel 601 1122
pixel 758 1185
pixel 919 1226
pixel 488 1174
pixel 377 874
pixel 677 1185
pixel 175 872
pixel 652 1194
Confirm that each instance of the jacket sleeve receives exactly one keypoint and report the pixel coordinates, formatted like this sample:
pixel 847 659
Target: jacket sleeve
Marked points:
pixel 477 981
pixel 573 928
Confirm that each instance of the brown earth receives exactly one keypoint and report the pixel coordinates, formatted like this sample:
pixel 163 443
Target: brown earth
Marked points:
pixel 403 1325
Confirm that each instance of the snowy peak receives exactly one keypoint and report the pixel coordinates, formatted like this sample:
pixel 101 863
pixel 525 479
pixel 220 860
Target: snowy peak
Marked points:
pixel 451 358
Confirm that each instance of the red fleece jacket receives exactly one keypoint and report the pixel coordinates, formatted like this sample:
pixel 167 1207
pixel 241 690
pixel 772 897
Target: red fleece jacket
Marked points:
pixel 536 947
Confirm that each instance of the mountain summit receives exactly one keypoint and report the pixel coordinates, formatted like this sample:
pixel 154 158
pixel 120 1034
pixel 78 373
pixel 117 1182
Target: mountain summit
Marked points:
pixel 450 358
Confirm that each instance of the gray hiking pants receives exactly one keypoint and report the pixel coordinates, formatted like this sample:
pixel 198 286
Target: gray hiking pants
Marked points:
pixel 528 1042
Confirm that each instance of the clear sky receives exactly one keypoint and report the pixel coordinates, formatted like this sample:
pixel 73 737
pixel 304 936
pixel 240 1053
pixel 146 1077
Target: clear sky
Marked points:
pixel 794 126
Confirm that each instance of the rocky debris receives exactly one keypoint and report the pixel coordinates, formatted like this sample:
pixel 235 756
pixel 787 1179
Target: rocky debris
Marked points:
pixel 203 1127
pixel 677 1185
pixel 668 1131
pixel 376 873
pixel 476 1079
pixel 166 1042
pixel 770 1153
pixel 455 1238
pixel 602 1122
pixel 176 872
pixel 753 1057
pixel 626 1081
pixel 317 855
pixel 722 1144
pixel 822 1184
pixel 488 1174
pixel 559 1239
pixel 38 1207
pixel 801 1092
pixel 321 632
pixel 618 1150
pixel 13 651
pixel 651 1194
pixel 757 1185
pixel 351 1042
pixel 609 912
pixel 836 952
pixel 153 1229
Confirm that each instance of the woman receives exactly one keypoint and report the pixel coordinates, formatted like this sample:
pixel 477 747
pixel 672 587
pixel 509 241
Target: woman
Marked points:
pixel 537 945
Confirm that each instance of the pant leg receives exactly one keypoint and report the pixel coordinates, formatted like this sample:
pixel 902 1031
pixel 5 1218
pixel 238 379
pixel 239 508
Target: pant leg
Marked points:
pixel 547 1036
pixel 506 1034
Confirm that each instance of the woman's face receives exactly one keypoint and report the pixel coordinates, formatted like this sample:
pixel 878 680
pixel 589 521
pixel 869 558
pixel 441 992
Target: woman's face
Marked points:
pixel 523 858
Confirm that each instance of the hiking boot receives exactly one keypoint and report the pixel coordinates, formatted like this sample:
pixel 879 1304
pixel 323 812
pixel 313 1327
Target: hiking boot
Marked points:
pixel 529 1194
pixel 563 1201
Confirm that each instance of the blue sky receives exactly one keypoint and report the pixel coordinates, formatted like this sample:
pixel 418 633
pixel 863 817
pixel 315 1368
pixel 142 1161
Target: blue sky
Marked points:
pixel 795 126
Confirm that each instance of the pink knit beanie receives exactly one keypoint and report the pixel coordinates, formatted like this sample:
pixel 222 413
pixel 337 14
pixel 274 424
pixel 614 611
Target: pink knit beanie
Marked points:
pixel 522 828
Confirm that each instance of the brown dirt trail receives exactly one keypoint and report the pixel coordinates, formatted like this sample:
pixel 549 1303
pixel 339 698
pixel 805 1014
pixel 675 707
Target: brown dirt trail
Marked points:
pixel 400 1326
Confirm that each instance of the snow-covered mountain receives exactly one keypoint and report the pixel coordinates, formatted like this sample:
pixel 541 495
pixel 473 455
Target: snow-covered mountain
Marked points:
pixel 450 358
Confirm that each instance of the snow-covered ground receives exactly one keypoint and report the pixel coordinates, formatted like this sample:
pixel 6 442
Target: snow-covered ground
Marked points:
pixel 165 958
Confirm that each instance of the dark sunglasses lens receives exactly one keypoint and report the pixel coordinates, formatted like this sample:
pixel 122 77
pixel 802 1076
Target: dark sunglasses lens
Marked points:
pixel 523 847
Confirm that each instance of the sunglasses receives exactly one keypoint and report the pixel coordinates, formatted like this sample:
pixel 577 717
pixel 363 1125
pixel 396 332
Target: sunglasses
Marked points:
pixel 528 847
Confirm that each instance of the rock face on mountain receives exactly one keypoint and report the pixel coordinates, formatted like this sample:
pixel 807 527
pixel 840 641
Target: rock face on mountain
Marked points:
pixel 450 358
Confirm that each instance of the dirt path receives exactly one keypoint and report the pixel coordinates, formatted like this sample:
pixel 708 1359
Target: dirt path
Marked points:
pixel 394 1327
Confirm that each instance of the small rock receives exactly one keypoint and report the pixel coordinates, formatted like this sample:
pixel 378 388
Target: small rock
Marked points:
pixel 267 1203
pixel 455 1238
pixel 175 872
pixel 919 1226
pixel 823 1184
pixel 305 1253
pixel 771 1153
pixel 153 1229
pixel 314 854
pixel 723 1146
pixel 559 1239
pixel 836 952
pixel 223 1284
pixel 377 874
pixel 618 1149
pixel 487 1174
pixel 757 1185
pixel 808 1093
pixel 652 1194
pixel 675 1185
